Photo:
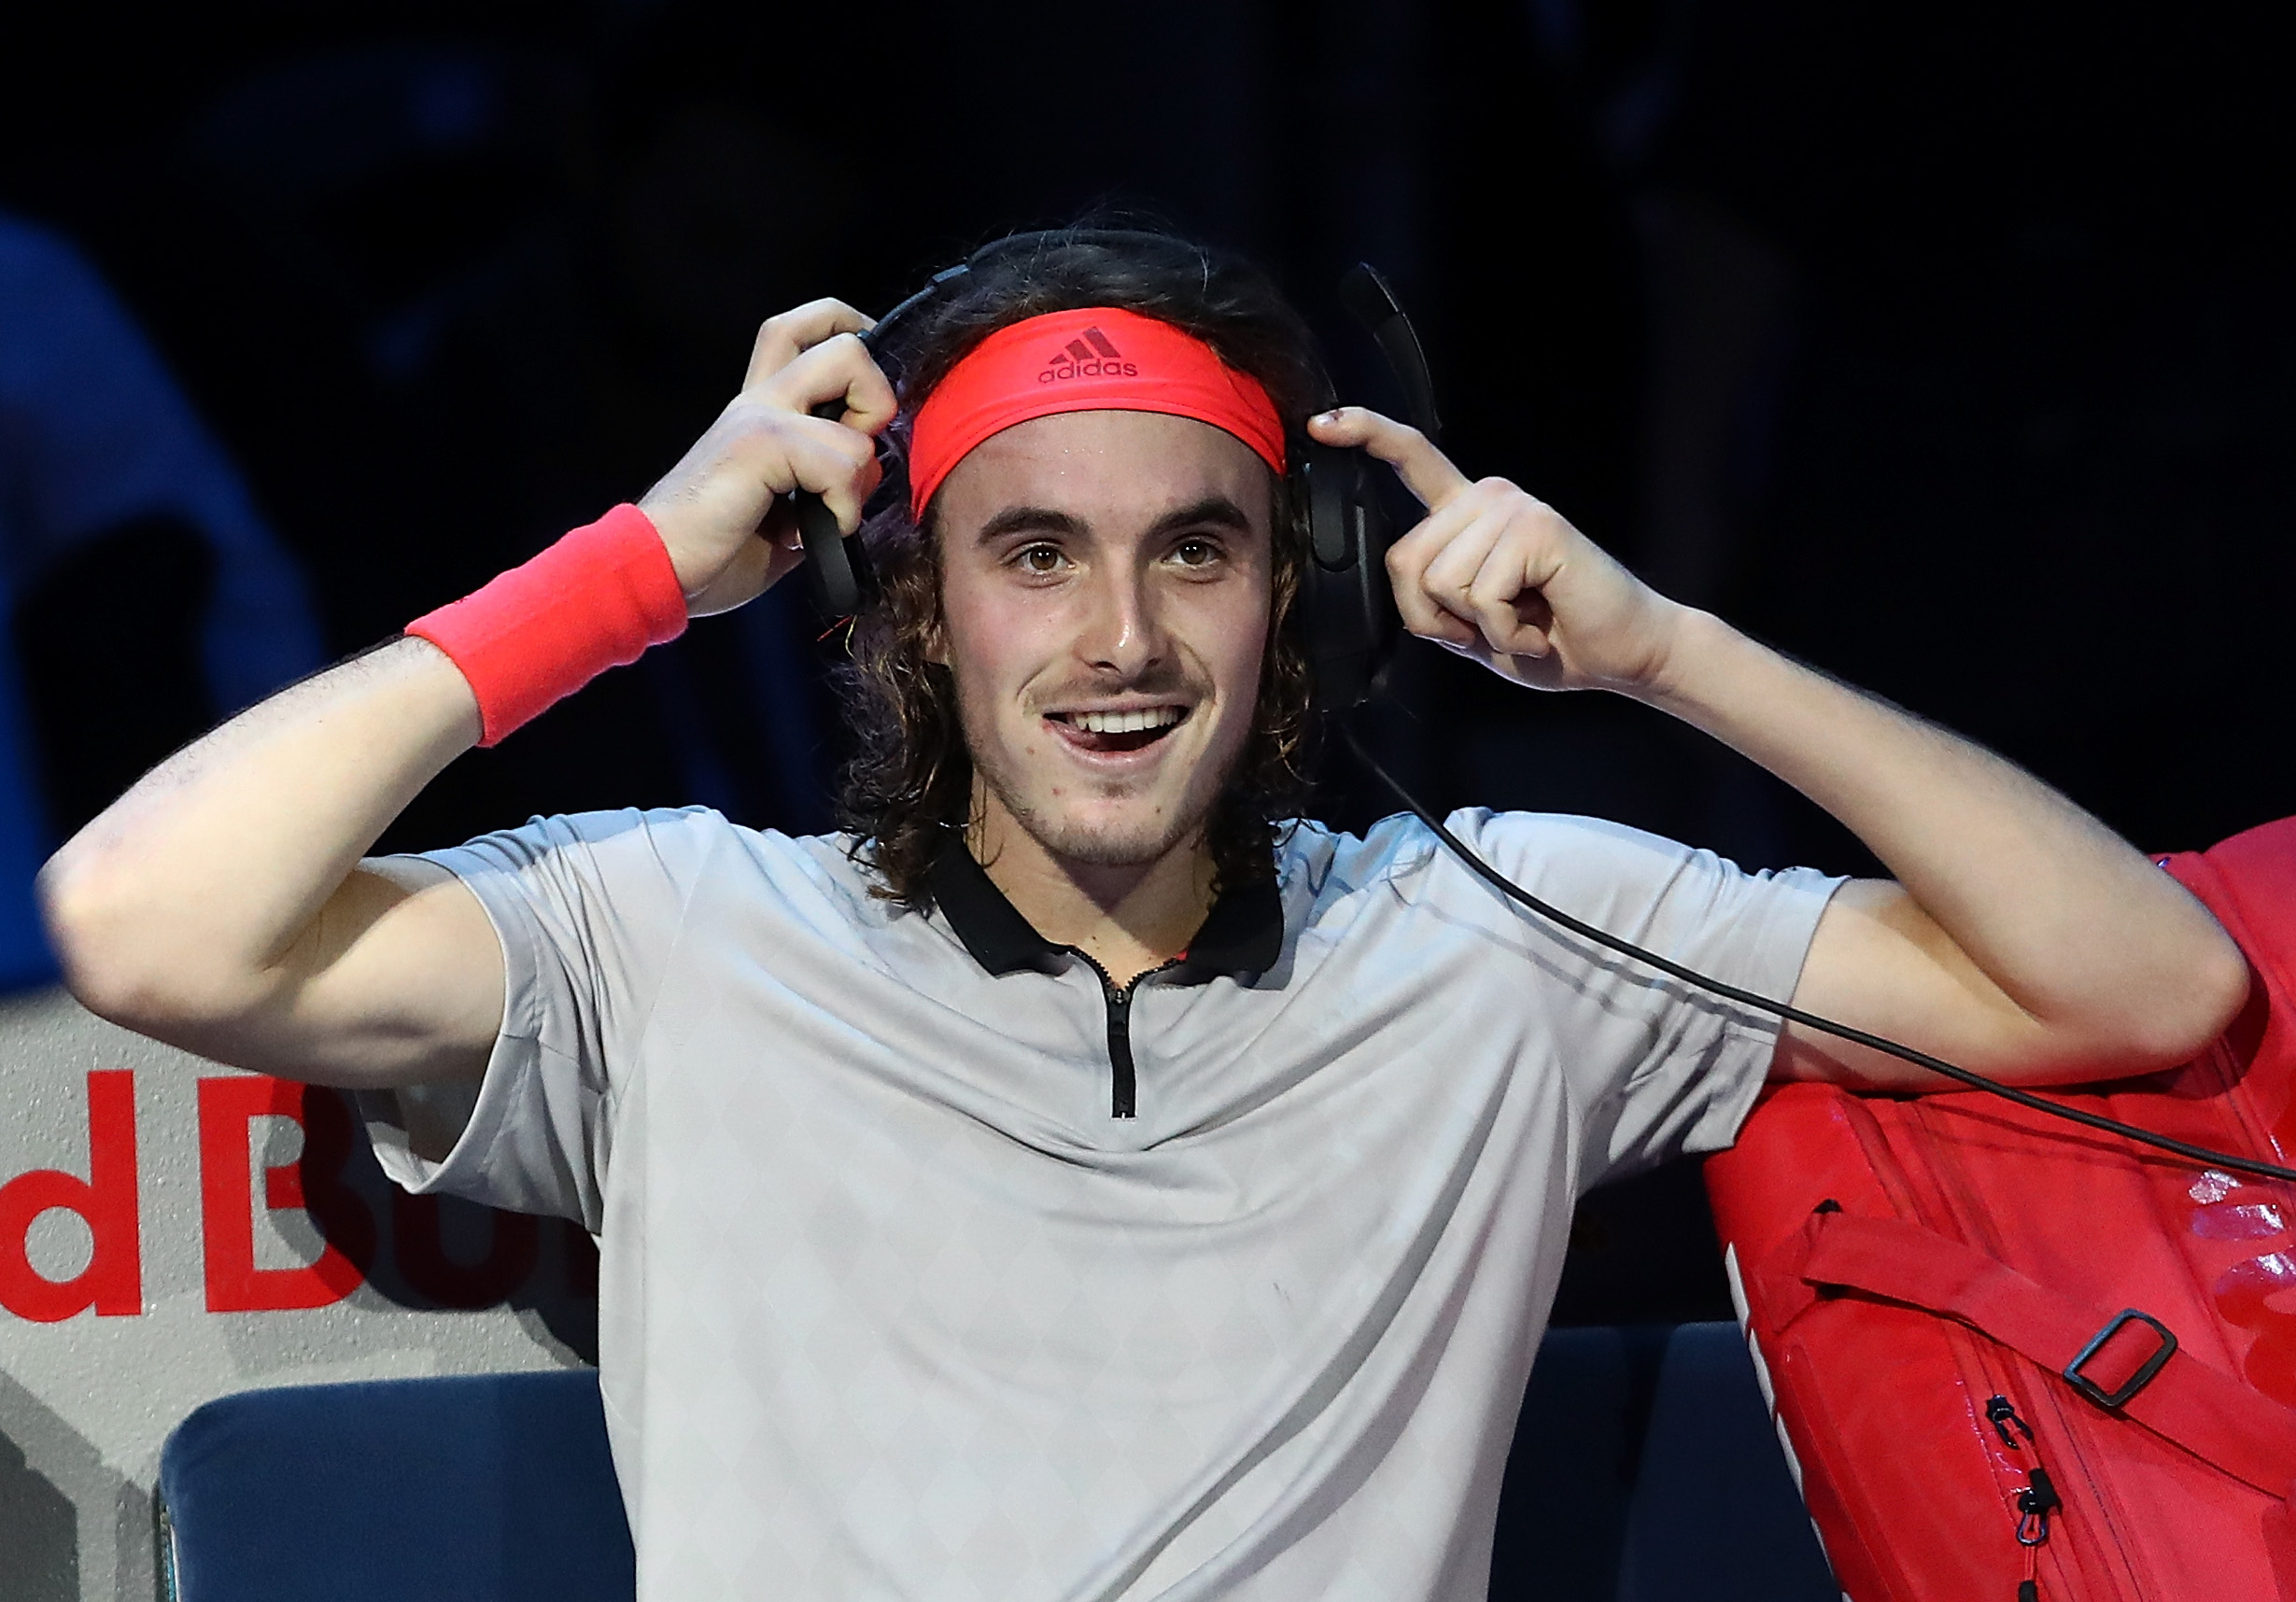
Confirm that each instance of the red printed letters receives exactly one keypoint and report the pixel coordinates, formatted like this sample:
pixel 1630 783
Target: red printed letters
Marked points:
pixel 234 1284
pixel 233 1198
pixel 113 1281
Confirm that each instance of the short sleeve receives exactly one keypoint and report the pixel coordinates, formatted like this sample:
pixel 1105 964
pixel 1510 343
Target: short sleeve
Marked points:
pixel 1655 1067
pixel 589 910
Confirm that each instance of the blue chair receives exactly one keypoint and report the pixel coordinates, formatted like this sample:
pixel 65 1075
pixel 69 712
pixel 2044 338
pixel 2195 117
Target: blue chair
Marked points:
pixel 1645 1469
pixel 486 1488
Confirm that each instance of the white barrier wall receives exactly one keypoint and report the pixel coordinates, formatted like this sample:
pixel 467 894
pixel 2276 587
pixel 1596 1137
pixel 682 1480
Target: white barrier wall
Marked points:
pixel 172 1231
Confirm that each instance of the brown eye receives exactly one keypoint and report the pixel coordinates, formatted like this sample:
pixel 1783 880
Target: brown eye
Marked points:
pixel 1040 559
pixel 1195 553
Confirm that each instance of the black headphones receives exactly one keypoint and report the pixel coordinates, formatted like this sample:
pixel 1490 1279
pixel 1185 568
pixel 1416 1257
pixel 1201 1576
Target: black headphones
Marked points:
pixel 1345 613
pixel 1348 624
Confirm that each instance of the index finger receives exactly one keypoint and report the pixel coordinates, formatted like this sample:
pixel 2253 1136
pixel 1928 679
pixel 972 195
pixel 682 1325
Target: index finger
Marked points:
pixel 1425 470
pixel 837 379
pixel 792 334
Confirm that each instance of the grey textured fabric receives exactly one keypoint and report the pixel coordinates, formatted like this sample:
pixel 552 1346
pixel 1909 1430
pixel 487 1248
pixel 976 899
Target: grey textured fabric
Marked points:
pixel 893 1306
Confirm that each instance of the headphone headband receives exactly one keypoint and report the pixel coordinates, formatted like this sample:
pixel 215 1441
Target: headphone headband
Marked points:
pixel 1348 622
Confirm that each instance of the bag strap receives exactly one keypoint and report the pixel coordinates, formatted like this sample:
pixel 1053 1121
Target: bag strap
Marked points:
pixel 2214 1416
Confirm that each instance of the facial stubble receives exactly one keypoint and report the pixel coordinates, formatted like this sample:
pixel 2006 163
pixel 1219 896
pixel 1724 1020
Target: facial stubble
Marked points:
pixel 1067 838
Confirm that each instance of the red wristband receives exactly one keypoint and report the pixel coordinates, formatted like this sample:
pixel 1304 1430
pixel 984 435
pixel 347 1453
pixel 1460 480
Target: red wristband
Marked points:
pixel 596 599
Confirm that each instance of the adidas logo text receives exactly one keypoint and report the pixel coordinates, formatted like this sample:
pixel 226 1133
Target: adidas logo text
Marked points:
pixel 1090 355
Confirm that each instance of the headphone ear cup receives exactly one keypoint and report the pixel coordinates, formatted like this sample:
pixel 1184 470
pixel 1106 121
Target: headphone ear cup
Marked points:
pixel 837 569
pixel 1348 624
pixel 838 574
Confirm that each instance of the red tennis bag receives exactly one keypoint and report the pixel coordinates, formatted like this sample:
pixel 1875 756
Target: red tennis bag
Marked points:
pixel 2016 1360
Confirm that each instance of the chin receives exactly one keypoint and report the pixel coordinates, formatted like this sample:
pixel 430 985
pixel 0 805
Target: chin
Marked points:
pixel 1123 830
pixel 1113 843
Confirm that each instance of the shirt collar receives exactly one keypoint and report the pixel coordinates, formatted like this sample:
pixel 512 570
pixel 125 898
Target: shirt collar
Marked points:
pixel 1242 933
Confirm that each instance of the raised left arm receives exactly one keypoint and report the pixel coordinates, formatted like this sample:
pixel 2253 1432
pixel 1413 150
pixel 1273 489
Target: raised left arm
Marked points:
pixel 2020 937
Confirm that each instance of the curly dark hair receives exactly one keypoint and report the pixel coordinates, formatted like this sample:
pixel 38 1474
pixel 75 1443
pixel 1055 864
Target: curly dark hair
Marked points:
pixel 910 782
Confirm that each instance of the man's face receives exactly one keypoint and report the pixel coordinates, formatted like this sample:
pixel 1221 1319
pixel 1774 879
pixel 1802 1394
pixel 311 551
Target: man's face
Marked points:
pixel 1105 601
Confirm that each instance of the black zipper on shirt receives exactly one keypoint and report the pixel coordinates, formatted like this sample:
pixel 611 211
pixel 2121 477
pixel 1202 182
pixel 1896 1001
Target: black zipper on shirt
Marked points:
pixel 1123 1086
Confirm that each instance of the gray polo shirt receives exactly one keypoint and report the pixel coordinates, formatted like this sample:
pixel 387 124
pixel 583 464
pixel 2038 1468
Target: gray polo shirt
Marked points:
pixel 897 1302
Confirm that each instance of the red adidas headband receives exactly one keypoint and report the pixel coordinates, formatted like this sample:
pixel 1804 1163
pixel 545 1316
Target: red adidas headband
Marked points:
pixel 1098 358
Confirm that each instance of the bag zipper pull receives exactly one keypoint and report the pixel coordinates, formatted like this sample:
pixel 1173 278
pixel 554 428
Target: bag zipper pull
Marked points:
pixel 2001 1413
pixel 2034 1503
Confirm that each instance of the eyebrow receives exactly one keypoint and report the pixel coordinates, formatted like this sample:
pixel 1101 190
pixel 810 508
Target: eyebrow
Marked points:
pixel 1215 510
pixel 1029 519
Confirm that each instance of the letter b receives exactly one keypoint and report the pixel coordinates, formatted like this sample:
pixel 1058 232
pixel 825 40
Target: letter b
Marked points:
pixel 227 1206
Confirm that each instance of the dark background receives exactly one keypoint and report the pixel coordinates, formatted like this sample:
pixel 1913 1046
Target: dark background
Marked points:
pixel 1948 346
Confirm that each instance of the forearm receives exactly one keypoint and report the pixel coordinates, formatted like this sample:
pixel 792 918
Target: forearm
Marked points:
pixel 2105 957
pixel 2021 937
pixel 219 905
pixel 189 895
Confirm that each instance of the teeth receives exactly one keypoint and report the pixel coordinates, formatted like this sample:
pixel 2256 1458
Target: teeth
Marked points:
pixel 1125 722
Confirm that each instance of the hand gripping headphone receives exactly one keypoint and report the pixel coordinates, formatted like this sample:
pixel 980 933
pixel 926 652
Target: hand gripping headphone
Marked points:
pixel 1345 613
pixel 1349 625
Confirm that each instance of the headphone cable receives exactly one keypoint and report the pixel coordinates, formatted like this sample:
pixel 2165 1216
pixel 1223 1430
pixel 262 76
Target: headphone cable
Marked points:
pixel 2198 1154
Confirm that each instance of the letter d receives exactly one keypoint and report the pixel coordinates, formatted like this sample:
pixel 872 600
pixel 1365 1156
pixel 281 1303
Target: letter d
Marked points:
pixel 113 1281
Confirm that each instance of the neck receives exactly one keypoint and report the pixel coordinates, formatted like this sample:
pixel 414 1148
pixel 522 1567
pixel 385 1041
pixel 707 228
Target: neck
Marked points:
pixel 1128 918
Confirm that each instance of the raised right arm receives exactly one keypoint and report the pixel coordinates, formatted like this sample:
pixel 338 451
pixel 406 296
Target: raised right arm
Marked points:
pixel 222 904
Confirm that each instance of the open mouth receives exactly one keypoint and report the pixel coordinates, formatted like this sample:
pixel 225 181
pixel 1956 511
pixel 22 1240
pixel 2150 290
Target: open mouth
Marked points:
pixel 1133 730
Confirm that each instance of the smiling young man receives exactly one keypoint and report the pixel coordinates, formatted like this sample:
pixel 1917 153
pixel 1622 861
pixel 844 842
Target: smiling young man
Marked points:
pixel 1110 603
pixel 1079 1179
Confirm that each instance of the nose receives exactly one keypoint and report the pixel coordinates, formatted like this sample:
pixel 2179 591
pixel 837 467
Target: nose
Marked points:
pixel 1123 637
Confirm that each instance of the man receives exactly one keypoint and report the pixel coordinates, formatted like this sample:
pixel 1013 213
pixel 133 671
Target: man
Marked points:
pixel 1078 1181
